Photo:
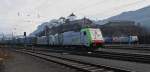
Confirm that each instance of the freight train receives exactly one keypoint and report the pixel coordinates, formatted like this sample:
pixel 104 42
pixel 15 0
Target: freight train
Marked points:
pixel 121 40
pixel 90 38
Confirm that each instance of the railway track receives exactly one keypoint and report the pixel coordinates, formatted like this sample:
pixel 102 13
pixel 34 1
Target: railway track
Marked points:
pixel 81 66
pixel 131 47
pixel 140 58
pixel 121 56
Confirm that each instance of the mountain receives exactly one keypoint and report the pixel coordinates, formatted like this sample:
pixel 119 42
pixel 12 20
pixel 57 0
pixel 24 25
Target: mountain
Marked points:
pixel 141 16
pixel 123 28
pixel 44 26
pixel 121 25
pixel 59 26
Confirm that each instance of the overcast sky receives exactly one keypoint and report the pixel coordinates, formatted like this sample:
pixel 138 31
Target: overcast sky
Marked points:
pixel 19 16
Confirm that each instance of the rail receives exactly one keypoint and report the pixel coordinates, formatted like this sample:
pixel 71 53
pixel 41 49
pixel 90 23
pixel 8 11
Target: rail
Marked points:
pixel 82 66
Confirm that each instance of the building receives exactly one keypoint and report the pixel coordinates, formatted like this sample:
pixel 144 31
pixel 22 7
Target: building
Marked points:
pixel 72 17
pixel 61 20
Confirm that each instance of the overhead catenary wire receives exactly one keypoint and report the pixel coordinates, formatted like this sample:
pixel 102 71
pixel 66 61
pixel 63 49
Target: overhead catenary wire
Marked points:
pixel 112 8
pixel 38 15
pixel 119 7
pixel 91 5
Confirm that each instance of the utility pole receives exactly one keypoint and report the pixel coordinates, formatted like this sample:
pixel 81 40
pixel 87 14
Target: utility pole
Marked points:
pixel 3 37
pixel 12 42
pixel 84 22
pixel 46 34
pixel 25 39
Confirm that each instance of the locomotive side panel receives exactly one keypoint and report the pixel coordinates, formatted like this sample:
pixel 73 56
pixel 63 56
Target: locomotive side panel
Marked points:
pixel 72 38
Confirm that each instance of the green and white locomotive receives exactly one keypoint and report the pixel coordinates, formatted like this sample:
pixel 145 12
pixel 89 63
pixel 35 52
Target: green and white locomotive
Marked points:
pixel 87 37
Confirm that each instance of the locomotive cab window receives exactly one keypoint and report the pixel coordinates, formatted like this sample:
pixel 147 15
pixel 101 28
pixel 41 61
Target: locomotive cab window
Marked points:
pixel 84 33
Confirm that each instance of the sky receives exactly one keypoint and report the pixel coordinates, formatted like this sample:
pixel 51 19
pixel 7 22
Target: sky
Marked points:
pixel 18 16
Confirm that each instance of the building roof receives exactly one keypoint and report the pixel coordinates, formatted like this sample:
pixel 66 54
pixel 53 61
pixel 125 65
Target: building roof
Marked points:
pixel 72 14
